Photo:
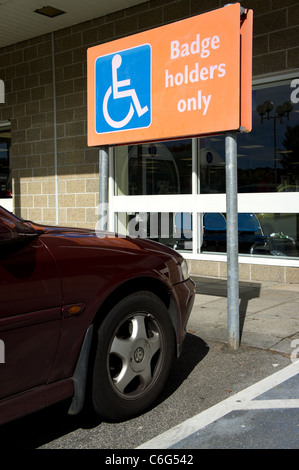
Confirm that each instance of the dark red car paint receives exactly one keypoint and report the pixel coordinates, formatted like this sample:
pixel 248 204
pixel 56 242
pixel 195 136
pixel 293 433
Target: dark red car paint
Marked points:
pixel 46 270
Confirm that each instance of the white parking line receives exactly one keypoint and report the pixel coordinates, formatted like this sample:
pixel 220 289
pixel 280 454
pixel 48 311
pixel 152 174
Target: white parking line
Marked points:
pixel 269 404
pixel 240 401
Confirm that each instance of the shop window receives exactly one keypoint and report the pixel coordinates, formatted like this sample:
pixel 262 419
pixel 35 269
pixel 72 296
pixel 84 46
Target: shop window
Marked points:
pixel 268 156
pixel 211 164
pixel 155 168
pixel 259 234
pixel 5 170
pixel 268 162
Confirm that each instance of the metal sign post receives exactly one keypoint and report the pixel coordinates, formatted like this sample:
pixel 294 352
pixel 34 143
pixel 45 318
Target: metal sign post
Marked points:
pixel 232 240
pixel 103 187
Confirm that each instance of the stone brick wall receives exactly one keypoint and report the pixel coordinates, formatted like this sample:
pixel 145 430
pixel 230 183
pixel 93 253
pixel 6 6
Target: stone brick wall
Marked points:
pixel 247 271
pixel 28 71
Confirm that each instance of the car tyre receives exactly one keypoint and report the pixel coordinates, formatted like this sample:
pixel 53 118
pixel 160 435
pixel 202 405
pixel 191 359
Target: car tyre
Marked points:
pixel 134 353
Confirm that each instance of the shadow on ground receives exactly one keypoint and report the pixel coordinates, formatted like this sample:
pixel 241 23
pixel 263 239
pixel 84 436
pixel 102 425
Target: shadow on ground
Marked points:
pixel 37 429
pixel 218 287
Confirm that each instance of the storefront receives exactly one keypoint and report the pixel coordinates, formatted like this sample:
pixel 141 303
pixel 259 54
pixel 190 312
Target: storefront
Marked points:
pixel 174 192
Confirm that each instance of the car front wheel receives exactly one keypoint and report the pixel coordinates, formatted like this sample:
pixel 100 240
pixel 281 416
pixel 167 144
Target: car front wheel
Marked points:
pixel 134 353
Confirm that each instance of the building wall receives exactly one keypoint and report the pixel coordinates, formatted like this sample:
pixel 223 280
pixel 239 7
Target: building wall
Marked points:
pixel 247 272
pixel 69 195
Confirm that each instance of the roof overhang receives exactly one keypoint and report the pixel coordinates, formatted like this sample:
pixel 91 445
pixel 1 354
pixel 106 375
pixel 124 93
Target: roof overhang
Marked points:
pixel 19 20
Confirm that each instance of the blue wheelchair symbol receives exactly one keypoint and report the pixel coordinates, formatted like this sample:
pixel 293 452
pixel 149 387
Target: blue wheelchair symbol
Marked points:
pixel 123 90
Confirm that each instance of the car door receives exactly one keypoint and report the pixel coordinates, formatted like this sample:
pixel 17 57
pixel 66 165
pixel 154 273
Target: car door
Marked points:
pixel 30 312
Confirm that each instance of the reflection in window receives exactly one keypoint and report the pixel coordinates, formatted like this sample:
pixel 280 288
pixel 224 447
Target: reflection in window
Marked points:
pixel 212 165
pixel 268 156
pixel 155 168
pixel 259 234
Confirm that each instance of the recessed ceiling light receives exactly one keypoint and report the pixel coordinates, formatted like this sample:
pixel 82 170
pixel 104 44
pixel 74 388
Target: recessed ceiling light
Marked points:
pixel 49 11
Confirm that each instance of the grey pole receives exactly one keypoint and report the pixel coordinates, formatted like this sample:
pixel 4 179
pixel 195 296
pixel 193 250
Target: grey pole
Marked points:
pixel 232 240
pixel 103 187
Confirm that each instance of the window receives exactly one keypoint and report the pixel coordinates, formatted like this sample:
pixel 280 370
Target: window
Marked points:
pixel 211 164
pixel 262 234
pixel 155 168
pixel 173 189
pixel 268 156
pixel 5 171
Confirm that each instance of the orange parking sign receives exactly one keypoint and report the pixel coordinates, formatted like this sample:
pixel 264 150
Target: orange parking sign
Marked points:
pixel 188 78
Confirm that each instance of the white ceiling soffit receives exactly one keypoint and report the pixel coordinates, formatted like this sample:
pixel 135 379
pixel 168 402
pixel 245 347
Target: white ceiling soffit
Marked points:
pixel 19 22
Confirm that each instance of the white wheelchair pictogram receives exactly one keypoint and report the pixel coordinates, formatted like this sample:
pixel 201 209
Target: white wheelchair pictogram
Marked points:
pixel 118 94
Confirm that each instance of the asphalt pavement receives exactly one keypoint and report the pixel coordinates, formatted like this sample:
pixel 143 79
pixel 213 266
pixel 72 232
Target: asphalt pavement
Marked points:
pixel 264 415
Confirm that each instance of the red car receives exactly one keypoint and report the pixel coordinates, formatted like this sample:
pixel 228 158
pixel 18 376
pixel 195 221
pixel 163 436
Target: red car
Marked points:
pixel 87 316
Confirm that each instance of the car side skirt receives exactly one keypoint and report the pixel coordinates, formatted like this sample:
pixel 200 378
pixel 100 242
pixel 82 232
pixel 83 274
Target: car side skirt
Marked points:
pixel 35 399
